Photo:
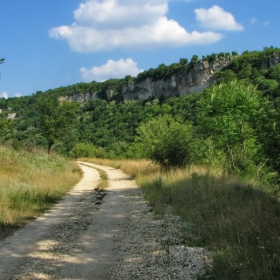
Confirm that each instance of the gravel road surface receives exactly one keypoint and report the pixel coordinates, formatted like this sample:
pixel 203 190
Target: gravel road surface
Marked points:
pixel 92 234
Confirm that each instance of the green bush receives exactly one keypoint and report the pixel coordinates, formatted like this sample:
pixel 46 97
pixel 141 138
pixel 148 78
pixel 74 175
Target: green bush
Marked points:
pixel 166 141
pixel 83 150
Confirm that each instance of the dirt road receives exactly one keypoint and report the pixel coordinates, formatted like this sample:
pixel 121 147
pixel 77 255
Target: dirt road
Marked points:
pixel 96 235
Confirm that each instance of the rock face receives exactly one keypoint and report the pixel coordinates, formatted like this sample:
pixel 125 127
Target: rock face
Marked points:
pixel 182 83
pixel 80 97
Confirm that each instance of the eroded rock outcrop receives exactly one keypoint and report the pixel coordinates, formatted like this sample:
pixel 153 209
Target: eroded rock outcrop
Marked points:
pixel 185 82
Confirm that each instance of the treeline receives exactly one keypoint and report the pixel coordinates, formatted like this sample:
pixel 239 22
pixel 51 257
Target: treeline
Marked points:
pixel 234 125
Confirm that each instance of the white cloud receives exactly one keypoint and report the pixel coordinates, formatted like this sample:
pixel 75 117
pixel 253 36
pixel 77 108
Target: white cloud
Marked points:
pixel 112 69
pixel 5 95
pixel 120 14
pixel 18 95
pixel 130 24
pixel 253 20
pixel 216 18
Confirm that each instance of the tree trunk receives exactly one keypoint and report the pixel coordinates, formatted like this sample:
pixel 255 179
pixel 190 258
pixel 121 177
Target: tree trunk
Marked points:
pixel 50 144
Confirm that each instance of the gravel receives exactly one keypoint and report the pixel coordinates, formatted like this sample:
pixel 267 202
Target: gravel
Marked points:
pixel 153 248
pixel 133 242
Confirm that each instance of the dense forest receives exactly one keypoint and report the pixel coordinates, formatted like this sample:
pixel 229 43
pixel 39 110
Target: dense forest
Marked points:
pixel 234 124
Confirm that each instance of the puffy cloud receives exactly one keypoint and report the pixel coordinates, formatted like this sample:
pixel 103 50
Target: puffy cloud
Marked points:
pixel 18 95
pixel 120 14
pixel 112 69
pixel 217 18
pixel 130 24
pixel 5 95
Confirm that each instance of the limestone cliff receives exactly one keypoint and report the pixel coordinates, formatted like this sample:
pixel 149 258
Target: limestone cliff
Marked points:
pixel 185 82
pixel 194 78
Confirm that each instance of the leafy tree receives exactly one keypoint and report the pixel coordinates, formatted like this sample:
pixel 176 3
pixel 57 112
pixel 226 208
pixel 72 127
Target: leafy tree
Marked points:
pixel 4 127
pixel 227 114
pixel 2 61
pixel 183 61
pixel 194 58
pixel 166 141
pixel 56 118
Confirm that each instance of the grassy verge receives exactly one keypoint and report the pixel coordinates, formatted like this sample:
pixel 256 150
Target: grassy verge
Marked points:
pixel 240 223
pixel 103 184
pixel 29 184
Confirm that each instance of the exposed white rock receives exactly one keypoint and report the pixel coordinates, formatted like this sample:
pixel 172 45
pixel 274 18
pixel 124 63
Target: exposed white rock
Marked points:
pixel 182 83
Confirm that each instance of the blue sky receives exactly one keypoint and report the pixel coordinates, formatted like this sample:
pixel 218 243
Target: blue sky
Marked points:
pixel 52 43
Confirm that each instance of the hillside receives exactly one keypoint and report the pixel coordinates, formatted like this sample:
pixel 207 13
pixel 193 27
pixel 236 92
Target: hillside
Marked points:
pixel 109 114
pixel 210 129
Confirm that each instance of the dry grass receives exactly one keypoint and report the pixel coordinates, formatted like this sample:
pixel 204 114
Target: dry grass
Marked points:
pixel 29 184
pixel 103 184
pixel 239 222
pixel 135 168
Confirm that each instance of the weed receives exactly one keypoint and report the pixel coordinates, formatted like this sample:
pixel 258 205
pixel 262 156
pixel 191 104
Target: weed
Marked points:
pixel 238 221
pixel 30 183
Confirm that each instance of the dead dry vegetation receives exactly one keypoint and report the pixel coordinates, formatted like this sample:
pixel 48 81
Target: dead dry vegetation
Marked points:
pixel 31 182
pixel 235 219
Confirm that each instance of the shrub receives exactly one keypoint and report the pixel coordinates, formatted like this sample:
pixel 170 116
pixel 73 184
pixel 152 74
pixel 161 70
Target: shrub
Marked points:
pixel 166 141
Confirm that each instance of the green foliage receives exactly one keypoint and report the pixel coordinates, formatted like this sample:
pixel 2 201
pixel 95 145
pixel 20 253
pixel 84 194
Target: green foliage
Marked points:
pixel 227 114
pixel 2 61
pixel 110 124
pixel 4 127
pixel 166 141
pixel 194 58
pixel 183 61
pixel 86 150
pixel 55 118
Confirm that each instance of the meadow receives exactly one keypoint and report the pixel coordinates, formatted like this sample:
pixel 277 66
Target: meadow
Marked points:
pixel 30 183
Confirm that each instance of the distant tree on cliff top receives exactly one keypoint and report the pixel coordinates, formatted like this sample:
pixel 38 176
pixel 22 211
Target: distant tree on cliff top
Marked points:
pixel 2 61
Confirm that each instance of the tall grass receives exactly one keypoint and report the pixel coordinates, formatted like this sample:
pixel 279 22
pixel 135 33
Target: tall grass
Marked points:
pixel 30 182
pixel 239 222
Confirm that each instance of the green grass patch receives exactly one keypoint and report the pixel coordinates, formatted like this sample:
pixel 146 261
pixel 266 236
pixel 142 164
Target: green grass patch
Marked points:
pixel 30 183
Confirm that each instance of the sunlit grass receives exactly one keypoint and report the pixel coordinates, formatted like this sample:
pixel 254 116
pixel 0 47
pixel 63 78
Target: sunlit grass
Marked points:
pixel 30 183
pixel 236 220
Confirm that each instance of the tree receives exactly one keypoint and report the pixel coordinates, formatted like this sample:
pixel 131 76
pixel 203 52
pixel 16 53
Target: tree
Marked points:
pixel 183 61
pixel 56 118
pixel 194 58
pixel 4 126
pixel 2 61
pixel 166 141
pixel 228 113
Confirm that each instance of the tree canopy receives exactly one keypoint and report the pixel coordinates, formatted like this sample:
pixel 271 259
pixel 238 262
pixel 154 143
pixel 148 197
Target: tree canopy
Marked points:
pixel 55 118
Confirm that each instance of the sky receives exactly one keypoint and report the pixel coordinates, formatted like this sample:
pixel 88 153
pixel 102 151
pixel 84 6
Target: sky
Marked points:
pixel 52 43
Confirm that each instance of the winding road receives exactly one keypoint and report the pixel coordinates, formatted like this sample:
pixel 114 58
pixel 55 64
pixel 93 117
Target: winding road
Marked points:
pixel 96 235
